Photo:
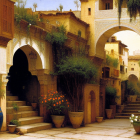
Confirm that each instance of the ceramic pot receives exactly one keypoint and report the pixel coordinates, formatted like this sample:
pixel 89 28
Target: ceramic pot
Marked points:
pixel 12 128
pixel 34 105
pixel 76 118
pixel 109 113
pixel 99 119
pixel 136 126
pixel 1 118
pixel 57 120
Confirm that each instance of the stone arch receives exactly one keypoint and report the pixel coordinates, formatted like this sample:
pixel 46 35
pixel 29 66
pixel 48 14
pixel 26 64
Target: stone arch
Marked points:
pixel 27 47
pixel 108 32
pixel 133 78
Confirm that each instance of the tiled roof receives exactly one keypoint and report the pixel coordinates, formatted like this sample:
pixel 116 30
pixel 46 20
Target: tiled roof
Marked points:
pixel 136 57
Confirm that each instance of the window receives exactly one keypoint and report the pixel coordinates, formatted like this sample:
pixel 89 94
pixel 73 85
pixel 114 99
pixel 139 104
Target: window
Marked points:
pixel 132 69
pixel 105 72
pixel 126 70
pixel 107 6
pixel 121 69
pixel 89 11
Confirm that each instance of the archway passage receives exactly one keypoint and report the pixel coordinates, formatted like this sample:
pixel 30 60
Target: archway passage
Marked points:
pixel 19 76
pixel 132 78
pixel 105 35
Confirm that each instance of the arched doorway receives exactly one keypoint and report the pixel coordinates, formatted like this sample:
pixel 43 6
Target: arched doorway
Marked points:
pixel 21 82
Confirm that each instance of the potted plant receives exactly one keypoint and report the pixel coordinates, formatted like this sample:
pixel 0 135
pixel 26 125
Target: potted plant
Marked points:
pixel 14 122
pixel 135 120
pixel 132 91
pixel 73 73
pixel 111 96
pixel 34 104
pixel 57 105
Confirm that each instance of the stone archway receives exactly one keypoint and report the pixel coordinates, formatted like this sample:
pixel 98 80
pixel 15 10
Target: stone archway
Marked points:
pixel 132 78
pixel 23 81
pixel 106 33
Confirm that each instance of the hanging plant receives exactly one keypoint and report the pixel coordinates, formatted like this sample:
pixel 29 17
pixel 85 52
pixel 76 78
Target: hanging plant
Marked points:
pixel 133 8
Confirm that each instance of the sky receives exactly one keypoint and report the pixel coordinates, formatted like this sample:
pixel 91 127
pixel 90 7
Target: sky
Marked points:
pixel 43 5
pixel 129 38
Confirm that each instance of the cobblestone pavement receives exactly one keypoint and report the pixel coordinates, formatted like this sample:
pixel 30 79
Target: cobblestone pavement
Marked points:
pixel 113 129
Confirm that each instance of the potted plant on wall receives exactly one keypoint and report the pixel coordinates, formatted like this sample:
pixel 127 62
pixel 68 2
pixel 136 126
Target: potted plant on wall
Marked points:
pixel 74 72
pixel 14 122
pixel 111 96
pixel 57 105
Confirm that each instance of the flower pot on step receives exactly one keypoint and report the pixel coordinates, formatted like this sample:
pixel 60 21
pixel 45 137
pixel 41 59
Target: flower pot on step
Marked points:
pixel 12 128
pixel 109 113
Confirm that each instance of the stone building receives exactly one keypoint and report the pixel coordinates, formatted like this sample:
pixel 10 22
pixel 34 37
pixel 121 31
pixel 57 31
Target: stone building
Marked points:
pixel 91 28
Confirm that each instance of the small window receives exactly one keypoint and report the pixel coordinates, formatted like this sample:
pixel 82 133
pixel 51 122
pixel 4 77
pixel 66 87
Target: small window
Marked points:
pixel 89 11
pixel 132 69
pixel 107 6
pixel 126 70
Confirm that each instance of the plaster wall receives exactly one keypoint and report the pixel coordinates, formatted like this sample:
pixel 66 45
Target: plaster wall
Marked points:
pixel 87 102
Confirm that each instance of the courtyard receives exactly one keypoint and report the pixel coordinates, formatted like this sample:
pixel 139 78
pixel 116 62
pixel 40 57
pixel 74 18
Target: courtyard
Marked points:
pixel 109 129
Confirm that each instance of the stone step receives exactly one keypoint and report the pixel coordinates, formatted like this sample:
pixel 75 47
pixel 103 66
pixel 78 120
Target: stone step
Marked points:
pixel 133 105
pixel 10 110
pixel 19 103
pixel 33 127
pixel 122 117
pixel 127 114
pixel 30 120
pixel 130 111
pixel 132 108
pixel 22 114
pixel 11 98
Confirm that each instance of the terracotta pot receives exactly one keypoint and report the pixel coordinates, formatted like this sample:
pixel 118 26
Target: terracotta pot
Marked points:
pixel 58 120
pixel 109 113
pixel 34 105
pixel 12 128
pixel 76 118
pixel 120 108
pixel 137 127
pixel 113 107
pixel 99 119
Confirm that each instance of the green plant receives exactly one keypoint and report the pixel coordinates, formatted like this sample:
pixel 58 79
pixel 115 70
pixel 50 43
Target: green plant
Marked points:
pixel 112 61
pixel 79 33
pixel 15 122
pixel 111 95
pixel 20 12
pixel 74 72
pixel 133 8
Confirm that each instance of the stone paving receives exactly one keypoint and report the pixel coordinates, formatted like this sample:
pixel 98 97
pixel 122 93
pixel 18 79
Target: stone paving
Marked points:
pixel 113 129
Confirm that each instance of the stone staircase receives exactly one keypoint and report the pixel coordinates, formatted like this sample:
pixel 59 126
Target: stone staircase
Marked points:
pixel 28 119
pixel 129 108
